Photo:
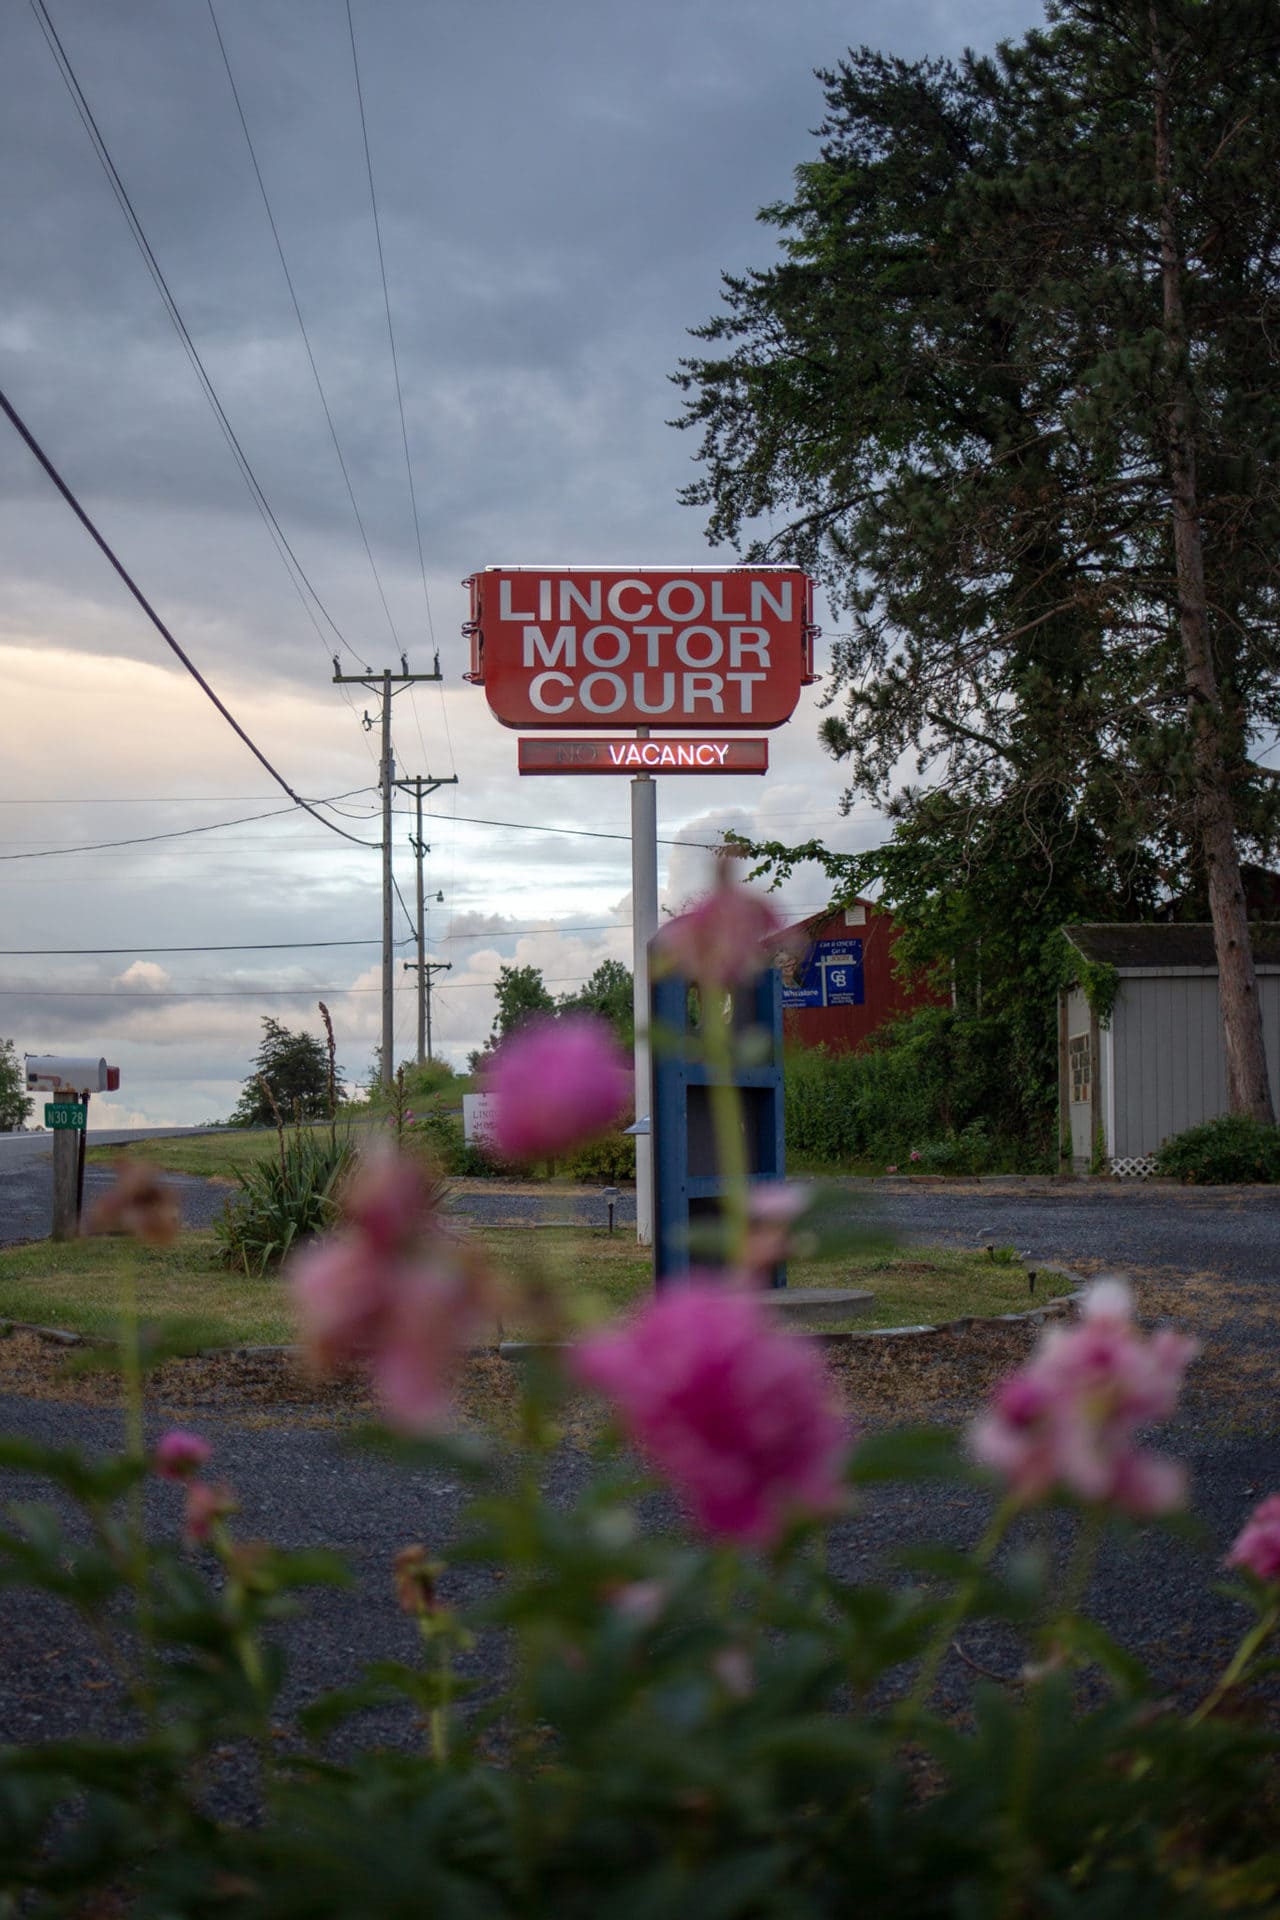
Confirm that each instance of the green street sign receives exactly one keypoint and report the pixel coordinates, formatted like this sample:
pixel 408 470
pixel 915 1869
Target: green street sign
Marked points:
pixel 64 1113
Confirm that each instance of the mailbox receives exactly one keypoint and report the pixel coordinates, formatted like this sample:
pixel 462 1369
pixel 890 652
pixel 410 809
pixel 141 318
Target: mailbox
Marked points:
pixel 70 1073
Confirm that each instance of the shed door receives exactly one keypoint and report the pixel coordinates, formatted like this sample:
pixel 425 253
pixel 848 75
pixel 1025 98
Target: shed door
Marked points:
pixel 1081 1068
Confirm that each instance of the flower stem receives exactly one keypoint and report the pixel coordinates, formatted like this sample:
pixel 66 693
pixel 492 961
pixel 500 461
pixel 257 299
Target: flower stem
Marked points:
pixel 135 1445
pixel 438 1719
pixel 726 1118
pixel 1256 1637
pixel 935 1652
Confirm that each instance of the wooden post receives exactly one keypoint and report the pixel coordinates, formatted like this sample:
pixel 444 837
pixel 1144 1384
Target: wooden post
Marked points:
pixel 66 1180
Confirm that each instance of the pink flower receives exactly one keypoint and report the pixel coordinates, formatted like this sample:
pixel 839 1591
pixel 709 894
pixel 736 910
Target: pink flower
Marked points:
pixel 892 1169
pixel 556 1083
pixel 721 941
pixel 393 1291
pixel 773 1208
pixel 1068 1419
pixel 915 1155
pixel 179 1455
pixel 642 1602
pixel 733 1669
pixel 386 1200
pixel 206 1505
pixel 1258 1544
pixel 737 1415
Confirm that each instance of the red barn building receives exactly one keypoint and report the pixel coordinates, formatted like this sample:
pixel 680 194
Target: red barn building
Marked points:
pixel 843 987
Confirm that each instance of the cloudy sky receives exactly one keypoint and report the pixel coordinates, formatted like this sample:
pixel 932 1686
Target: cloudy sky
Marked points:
pixel 560 184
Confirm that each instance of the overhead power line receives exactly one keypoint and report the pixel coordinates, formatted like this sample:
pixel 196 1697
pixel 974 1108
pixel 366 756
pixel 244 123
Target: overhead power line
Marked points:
pixel 293 565
pixel 302 327
pixel 142 799
pixel 307 990
pixel 145 839
pixel 523 826
pixel 409 919
pixel 289 946
pixel 165 993
pixel 235 946
pixel 391 332
pixel 578 833
pixel 173 833
pixel 162 629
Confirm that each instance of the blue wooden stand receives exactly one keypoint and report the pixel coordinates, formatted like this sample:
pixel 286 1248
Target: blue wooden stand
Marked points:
pixel 687 1183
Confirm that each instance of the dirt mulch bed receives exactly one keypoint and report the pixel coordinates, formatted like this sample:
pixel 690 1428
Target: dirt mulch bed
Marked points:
pixel 931 1377
pixel 943 1376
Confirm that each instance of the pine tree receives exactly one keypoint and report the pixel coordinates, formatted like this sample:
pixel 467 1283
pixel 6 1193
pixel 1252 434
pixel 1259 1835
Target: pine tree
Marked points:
pixel 1012 370
pixel 295 1066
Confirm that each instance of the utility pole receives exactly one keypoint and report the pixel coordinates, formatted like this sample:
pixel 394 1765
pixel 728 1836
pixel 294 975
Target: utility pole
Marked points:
pixel 424 970
pixel 387 685
pixel 419 786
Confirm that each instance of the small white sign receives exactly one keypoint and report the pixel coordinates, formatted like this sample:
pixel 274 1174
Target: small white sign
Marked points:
pixel 478 1112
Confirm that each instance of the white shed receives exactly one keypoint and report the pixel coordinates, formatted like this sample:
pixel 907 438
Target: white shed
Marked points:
pixel 1156 1064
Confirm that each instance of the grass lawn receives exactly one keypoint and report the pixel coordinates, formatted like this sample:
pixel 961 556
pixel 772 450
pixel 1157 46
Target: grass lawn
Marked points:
pixel 912 1285
pixel 77 1285
pixel 215 1155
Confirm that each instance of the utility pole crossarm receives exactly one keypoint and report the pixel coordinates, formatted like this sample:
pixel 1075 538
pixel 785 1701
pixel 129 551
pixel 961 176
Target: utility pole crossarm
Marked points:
pixel 375 680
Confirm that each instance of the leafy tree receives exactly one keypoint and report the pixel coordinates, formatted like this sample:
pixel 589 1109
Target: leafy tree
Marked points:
pixel 609 992
pixel 1012 392
pixel 15 1103
pixel 296 1068
pixel 520 993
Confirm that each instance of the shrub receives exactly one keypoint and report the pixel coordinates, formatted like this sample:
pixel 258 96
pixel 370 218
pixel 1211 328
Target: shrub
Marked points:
pixel 968 1152
pixel 1233 1148
pixel 931 1077
pixel 609 1159
pixel 288 1198
pixel 441 1137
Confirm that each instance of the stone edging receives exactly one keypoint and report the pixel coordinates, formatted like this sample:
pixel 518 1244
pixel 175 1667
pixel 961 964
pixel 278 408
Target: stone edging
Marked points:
pixel 1052 1309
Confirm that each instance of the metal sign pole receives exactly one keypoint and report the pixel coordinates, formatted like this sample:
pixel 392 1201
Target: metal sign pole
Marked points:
pixel 644 924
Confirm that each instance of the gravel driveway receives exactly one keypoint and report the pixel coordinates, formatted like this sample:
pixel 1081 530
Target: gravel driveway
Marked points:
pixel 1212 1259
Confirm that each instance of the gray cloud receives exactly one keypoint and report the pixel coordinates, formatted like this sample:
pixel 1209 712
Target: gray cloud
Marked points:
pixel 560 187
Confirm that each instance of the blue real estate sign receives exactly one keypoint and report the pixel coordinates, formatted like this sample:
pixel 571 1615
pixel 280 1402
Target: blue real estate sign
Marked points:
pixel 830 975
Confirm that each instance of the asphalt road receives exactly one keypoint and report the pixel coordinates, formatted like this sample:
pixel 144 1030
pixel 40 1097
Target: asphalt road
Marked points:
pixel 26 1180
pixel 302 1485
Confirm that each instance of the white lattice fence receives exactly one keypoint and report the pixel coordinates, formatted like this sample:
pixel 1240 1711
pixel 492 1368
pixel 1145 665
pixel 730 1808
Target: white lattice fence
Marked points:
pixel 1139 1166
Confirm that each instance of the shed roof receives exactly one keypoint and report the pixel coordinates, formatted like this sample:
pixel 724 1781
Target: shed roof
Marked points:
pixel 1135 946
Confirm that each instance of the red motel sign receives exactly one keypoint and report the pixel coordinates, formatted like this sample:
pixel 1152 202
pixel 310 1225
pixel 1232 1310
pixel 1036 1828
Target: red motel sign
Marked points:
pixel 629 755
pixel 710 649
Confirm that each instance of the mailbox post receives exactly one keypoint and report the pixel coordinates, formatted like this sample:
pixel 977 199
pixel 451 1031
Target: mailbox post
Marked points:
pixel 71 1079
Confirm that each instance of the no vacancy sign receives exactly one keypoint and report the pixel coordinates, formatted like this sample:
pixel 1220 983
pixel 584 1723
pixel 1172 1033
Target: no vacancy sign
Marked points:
pixel 705 649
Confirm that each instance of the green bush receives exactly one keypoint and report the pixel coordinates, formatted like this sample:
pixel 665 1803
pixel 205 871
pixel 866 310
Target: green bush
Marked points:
pixel 284 1199
pixel 1233 1148
pixel 609 1159
pixel 969 1151
pixel 440 1135
pixel 932 1077
pixel 420 1085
